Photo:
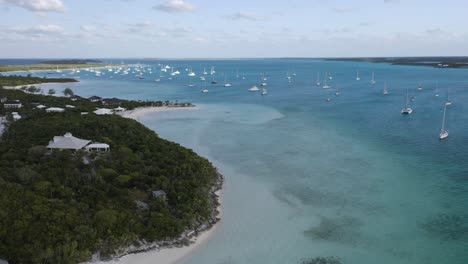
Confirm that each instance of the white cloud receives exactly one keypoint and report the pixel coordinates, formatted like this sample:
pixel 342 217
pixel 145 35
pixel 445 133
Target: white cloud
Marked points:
pixel 243 15
pixel 38 5
pixel 342 10
pixel 40 29
pixel 175 6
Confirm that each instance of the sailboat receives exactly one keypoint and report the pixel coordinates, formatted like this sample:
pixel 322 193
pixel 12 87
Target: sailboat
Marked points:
pixel 204 71
pixel 318 79
pixel 437 90
pixel 212 71
pixel 373 82
pixel 190 83
pixel 325 85
pixel 406 110
pixel 226 83
pixel 443 132
pixel 337 91
pixel 448 102
pixel 420 87
pixel 191 73
pixel 264 91
pixel 385 90
pixel 357 76
pixel 254 89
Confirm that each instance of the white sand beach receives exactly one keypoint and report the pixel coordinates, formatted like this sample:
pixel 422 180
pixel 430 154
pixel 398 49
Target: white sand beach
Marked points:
pixel 142 111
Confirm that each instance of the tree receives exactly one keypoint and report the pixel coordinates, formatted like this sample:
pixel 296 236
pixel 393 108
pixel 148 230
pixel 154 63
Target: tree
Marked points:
pixel 51 92
pixel 68 92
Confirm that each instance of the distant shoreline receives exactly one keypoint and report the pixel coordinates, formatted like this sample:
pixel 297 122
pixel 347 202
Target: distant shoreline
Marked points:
pixel 435 62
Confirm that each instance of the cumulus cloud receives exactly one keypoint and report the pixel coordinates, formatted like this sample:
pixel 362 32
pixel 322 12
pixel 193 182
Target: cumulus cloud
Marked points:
pixel 175 6
pixel 38 5
pixel 243 15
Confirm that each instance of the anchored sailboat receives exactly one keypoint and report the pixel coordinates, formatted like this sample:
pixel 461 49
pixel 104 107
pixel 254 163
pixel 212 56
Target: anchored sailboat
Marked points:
pixel 406 110
pixel 443 132
pixel 373 82
pixel 448 102
pixel 357 76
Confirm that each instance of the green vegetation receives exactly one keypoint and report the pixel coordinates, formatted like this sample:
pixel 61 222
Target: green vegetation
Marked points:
pixel 61 207
pixel 72 61
pixel 436 62
pixel 51 67
pixel 15 80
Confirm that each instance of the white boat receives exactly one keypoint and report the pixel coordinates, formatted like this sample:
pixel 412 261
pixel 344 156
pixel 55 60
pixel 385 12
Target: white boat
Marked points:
pixel 191 73
pixel 357 76
pixel 318 79
pixel 448 102
pixel 190 83
pixel 263 84
pixel 158 80
pixel 325 85
pixel 406 110
pixel 212 71
pixel 437 90
pixel 420 88
pixel 202 78
pixel 254 89
pixel 226 83
pixel 204 71
pixel 373 82
pixel 264 92
pixel 385 90
pixel 443 132
pixel 205 91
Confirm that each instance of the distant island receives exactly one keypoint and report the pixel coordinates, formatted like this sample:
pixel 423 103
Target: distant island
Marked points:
pixel 16 80
pixel 71 61
pixel 128 189
pixel 436 62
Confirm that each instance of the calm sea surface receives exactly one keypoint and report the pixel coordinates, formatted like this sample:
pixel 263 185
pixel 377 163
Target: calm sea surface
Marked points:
pixel 351 178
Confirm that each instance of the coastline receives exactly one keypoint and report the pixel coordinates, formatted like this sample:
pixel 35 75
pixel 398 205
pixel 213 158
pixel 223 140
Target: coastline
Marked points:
pixel 139 112
pixel 175 251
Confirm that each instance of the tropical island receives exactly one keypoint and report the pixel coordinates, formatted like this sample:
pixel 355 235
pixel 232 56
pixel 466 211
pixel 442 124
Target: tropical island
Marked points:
pixel 68 203
pixel 72 64
pixel 17 80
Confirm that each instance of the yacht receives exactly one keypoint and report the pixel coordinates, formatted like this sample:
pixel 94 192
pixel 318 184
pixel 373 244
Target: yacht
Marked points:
pixel 448 102
pixel 205 91
pixel 443 132
pixel 373 82
pixel 202 78
pixel 406 110
pixel 318 79
pixel 254 89
pixel 357 76
pixel 385 90
pixel 420 88
pixel 226 83
pixel 325 85
pixel 264 92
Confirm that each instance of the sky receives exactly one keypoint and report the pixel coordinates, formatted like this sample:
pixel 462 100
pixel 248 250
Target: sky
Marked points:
pixel 232 28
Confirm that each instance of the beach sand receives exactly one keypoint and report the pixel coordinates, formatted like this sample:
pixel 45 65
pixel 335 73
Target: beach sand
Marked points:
pixel 165 255
pixel 137 113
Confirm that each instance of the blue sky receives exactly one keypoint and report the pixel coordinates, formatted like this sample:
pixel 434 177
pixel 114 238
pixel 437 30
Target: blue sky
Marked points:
pixel 231 29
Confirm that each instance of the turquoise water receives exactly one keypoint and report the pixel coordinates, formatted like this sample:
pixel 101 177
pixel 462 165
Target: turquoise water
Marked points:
pixel 351 178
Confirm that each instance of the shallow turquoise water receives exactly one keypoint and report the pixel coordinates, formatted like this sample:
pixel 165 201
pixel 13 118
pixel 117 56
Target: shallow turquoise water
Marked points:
pixel 351 178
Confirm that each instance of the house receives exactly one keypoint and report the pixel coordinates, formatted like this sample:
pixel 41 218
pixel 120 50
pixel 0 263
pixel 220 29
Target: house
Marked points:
pixel 70 106
pixel 119 109
pixel 3 99
pixel 55 110
pixel 12 104
pixel 68 141
pixel 97 147
pixel 94 99
pixel 41 106
pixel 103 111
pixel 75 98
pixel 15 116
pixel 160 194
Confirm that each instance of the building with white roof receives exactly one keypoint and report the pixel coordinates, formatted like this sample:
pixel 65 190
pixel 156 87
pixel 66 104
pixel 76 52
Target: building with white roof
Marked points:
pixel 41 106
pixel 103 111
pixel 55 110
pixel 12 104
pixel 68 141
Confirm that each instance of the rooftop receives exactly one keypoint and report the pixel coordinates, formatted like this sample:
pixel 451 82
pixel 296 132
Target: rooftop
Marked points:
pixel 68 141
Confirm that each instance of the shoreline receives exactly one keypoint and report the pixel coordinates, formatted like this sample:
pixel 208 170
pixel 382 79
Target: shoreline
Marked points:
pixel 174 251
pixel 139 112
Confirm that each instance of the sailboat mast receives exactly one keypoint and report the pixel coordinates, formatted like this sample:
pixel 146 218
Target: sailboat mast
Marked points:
pixel 443 120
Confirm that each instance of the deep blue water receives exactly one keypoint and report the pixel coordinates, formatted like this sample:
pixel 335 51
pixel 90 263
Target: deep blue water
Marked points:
pixel 351 178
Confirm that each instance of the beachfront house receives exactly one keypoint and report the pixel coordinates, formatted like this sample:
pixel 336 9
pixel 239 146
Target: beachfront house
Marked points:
pixel 94 99
pixel 12 104
pixel 103 111
pixel 69 142
pixel 119 109
pixel 55 110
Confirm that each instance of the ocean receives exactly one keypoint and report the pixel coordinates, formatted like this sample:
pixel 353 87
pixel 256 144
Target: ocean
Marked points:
pixel 351 177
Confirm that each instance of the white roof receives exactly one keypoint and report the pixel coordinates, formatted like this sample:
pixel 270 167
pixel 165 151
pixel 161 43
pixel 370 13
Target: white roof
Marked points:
pixel 41 106
pixel 55 109
pixel 103 111
pixel 70 106
pixel 97 145
pixel 67 142
pixel 120 109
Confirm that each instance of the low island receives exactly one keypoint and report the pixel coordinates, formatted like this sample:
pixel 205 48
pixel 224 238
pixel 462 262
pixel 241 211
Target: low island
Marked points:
pixel 62 204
